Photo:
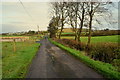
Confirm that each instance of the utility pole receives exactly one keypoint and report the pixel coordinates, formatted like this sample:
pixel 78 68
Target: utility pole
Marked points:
pixel 38 29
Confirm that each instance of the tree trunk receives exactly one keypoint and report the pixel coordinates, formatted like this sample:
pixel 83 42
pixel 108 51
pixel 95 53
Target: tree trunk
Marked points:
pixel 62 20
pixel 90 27
pixel 76 21
pixel 89 35
pixel 82 20
pixel 80 30
pixel 76 30
pixel 14 45
pixel 75 36
pixel 61 27
pixel 61 31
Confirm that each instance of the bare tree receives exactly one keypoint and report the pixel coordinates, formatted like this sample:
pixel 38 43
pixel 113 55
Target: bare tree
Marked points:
pixel 90 13
pixel 76 12
pixel 92 8
pixel 63 16
pixel 59 10
pixel 72 11
pixel 81 17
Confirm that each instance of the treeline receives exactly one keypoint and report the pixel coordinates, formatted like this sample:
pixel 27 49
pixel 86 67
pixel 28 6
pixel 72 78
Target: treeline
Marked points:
pixel 27 33
pixel 97 33
pixel 77 15
pixel 105 32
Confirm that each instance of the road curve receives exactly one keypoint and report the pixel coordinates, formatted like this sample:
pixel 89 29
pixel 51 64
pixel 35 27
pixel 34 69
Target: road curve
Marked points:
pixel 52 62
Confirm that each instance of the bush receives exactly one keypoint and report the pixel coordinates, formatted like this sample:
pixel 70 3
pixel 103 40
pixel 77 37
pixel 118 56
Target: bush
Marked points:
pixel 72 43
pixel 105 33
pixel 116 63
pixel 105 52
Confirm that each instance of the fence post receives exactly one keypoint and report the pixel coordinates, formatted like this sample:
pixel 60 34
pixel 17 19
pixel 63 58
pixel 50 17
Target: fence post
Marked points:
pixel 14 45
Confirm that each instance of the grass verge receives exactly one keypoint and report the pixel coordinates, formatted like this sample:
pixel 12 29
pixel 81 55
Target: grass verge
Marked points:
pixel 107 70
pixel 15 64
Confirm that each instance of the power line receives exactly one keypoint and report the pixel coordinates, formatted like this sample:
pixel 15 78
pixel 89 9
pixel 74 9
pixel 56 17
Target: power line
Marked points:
pixel 26 10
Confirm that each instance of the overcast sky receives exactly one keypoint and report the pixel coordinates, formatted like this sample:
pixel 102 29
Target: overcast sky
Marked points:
pixel 14 18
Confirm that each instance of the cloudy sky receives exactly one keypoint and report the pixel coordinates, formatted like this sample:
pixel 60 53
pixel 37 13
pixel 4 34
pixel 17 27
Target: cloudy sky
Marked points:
pixel 15 18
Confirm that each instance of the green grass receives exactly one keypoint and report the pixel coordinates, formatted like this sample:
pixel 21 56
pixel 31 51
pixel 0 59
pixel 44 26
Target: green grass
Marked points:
pixel 96 39
pixel 67 33
pixel 0 60
pixel 105 69
pixel 72 32
pixel 15 64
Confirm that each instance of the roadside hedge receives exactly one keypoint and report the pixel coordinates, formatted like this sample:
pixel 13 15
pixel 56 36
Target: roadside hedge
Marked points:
pixel 106 69
pixel 105 52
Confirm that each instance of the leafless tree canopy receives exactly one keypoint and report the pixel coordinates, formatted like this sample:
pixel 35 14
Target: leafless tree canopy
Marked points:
pixel 78 15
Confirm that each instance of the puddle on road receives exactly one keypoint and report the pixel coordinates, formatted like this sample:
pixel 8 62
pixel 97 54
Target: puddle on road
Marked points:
pixel 51 54
pixel 61 68
pixel 48 47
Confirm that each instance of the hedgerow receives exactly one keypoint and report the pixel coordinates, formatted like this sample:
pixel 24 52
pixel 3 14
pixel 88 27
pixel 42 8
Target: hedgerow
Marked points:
pixel 106 69
pixel 105 52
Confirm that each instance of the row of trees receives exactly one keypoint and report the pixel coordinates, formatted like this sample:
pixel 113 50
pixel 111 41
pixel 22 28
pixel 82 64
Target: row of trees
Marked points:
pixel 77 15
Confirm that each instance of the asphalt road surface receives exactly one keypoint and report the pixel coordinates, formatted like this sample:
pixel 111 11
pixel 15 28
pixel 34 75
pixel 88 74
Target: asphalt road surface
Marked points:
pixel 53 62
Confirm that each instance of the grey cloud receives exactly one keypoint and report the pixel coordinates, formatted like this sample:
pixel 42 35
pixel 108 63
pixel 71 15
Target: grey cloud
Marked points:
pixel 12 28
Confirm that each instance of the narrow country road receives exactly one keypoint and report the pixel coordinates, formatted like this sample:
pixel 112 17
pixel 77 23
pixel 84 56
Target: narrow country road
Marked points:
pixel 52 62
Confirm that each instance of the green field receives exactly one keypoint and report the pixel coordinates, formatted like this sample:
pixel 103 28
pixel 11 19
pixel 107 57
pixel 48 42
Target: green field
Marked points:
pixel 96 39
pixel 67 33
pixel 15 64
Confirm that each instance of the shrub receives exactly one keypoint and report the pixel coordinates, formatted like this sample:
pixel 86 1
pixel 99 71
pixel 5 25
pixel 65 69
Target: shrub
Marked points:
pixel 72 43
pixel 105 32
pixel 116 63
pixel 105 52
